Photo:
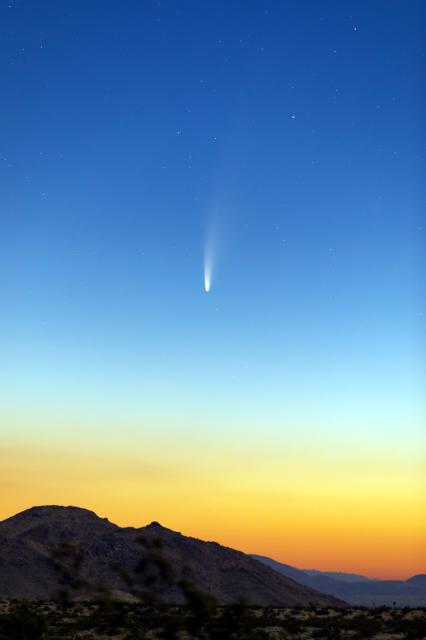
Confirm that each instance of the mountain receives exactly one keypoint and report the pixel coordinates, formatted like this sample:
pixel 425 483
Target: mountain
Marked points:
pixel 285 569
pixel 338 575
pixel 361 591
pixel 418 580
pixel 43 548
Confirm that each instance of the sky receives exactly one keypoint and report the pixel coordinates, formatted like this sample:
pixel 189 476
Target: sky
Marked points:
pixel 281 145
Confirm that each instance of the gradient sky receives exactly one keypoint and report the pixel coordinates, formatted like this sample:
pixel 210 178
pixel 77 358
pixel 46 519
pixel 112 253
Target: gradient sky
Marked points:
pixel 283 412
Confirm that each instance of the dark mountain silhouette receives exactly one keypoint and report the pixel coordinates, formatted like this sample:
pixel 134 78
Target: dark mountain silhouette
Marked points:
pixel 418 580
pixel 338 575
pixel 366 592
pixel 27 541
pixel 285 569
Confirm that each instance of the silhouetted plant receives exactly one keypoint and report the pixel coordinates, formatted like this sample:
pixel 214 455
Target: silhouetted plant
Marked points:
pixel 237 621
pixel 152 576
pixel 67 562
pixel 23 622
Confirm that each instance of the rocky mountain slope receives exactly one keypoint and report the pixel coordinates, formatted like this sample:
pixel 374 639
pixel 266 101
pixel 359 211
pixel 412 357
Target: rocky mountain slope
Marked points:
pixel 45 550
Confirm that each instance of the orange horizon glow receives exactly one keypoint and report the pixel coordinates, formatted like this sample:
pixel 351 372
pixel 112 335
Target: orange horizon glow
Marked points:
pixel 370 522
pixel 322 559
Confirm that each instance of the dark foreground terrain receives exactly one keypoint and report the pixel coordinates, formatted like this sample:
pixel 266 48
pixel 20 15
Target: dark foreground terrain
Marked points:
pixel 131 621
pixel 66 574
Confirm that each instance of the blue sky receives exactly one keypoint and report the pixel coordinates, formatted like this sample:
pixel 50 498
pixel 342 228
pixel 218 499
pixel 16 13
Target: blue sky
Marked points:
pixel 130 127
pixel 296 131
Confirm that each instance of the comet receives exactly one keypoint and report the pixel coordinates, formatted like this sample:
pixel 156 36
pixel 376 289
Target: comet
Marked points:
pixel 206 281
pixel 210 250
pixel 208 267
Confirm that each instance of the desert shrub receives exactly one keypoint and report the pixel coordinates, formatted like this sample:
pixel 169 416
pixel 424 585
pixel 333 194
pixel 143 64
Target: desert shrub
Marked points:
pixel 23 622
pixel 328 632
pixel 412 629
pixel 236 621
pixel 291 625
pixel 365 625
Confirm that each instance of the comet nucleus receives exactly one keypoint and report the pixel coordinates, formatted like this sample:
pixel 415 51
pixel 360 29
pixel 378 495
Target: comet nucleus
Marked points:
pixel 208 264
pixel 206 282
pixel 207 272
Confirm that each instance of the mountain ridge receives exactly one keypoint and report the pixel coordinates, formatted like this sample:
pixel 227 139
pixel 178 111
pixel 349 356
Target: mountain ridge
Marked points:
pixel 29 538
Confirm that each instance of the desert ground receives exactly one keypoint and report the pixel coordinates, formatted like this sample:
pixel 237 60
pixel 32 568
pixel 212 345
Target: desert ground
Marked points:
pixel 127 621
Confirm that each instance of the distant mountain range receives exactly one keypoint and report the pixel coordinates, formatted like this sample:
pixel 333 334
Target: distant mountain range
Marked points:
pixel 357 589
pixel 337 575
pixel 46 550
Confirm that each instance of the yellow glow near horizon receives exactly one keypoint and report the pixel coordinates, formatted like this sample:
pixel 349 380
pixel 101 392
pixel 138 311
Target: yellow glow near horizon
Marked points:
pixel 351 516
